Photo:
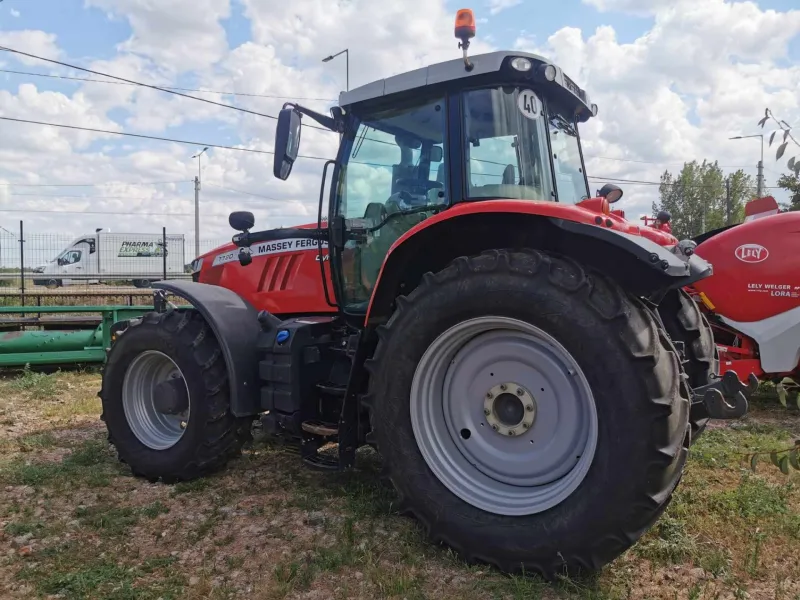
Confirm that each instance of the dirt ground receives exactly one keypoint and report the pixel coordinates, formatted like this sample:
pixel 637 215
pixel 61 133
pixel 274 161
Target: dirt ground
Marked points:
pixel 75 524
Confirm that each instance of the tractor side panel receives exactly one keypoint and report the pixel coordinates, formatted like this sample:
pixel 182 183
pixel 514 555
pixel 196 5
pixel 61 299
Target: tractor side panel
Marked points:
pixel 756 268
pixel 284 277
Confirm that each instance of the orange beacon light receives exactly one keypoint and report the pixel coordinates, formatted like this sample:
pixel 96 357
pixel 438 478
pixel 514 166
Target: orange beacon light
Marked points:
pixel 465 25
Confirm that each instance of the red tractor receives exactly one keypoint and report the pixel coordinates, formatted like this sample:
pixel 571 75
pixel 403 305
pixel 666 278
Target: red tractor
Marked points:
pixel 510 346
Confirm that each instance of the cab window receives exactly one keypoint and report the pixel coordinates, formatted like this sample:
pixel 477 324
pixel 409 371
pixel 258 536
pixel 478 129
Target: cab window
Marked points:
pixel 70 257
pixel 394 177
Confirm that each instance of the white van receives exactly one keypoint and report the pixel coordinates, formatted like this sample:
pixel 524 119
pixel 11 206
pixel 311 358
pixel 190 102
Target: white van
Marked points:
pixel 105 256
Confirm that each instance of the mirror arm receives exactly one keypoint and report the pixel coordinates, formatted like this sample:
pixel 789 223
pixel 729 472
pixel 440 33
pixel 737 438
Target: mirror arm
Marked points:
pixel 335 123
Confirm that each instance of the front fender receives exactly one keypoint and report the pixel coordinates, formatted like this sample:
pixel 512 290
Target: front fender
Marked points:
pixel 234 322
pixel 612 247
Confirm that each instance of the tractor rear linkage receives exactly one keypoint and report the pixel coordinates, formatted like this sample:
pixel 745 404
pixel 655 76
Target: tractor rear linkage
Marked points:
pixel 725 398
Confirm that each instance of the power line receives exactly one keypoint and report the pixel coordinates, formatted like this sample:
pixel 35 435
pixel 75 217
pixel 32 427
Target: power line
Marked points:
pixel 649 162
pixel 243 192
pixel 91 184
pixel 147 85
pixel 130 81
pixel 166 87
pixel 89 197
pixel 659 183
pixel 149 137
pixel 90 212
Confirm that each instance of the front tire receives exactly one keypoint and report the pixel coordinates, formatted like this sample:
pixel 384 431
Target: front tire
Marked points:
pixel 685 322
pixel 166 399
pixel 601 373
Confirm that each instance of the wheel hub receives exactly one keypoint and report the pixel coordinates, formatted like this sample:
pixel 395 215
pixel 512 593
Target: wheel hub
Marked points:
pixel 170 397
pixel 510 409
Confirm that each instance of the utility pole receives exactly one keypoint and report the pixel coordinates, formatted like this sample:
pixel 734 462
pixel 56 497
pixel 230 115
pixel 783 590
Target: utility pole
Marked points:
pixel 760 177
pixel 197 204
pixel 728 200
pixel 196 217
pixel 346 53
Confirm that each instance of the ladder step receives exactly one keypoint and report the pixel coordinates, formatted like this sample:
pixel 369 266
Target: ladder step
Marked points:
pixel 321 463
pixel 319 428
pixel 331 389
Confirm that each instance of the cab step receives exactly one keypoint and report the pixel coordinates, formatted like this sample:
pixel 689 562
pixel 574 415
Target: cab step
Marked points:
pixel 320 428
pixel 319 462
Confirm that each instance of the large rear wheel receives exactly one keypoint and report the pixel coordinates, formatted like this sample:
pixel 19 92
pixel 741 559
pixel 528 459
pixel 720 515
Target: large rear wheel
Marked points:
pixel 530 415
pixel 166 399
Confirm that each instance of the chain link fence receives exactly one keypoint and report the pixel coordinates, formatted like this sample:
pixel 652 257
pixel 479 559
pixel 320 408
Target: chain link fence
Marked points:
pixel 36 267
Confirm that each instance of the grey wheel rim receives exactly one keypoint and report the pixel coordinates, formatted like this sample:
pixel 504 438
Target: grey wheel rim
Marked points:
pixel 503 416
pixel 155 429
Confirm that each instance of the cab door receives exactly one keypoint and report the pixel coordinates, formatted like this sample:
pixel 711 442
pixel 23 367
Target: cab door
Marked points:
pixel 393 172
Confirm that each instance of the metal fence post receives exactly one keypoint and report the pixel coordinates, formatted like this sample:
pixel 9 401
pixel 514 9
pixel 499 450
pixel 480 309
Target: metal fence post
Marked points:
pixel 164 250
pixel 22 264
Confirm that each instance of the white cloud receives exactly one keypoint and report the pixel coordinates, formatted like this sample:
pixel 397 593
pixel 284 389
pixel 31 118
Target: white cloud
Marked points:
pixel 35 42
pixel 14 12
pixel 498 6
pixel 179 35
pixel 704 71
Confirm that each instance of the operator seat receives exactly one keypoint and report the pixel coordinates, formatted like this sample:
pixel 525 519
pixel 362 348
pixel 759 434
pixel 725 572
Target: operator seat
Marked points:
pixel 508 175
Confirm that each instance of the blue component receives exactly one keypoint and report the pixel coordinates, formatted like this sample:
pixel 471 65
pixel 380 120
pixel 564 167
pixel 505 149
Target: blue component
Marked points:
pixel 282 336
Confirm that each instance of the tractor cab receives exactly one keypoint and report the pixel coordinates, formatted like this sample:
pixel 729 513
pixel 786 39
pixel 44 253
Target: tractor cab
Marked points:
pixel 497 126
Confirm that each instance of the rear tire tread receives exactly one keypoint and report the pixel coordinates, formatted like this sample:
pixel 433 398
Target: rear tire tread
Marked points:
pixel 223 434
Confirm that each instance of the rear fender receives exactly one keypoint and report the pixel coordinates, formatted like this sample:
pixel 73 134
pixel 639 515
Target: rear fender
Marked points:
pixel 234 323
pixel 636 263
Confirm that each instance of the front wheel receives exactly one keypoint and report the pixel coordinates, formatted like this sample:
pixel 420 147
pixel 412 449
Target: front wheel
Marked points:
pixel 529 414
pixel 166 399
pixel 685 323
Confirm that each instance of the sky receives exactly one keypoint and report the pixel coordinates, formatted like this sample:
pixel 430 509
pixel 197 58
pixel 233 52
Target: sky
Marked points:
pixel 674 79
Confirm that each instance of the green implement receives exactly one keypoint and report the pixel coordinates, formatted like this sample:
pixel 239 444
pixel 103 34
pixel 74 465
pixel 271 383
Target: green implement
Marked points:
pixel 18 348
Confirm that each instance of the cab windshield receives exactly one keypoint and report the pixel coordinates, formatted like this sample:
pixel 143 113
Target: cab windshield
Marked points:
pixel 506 144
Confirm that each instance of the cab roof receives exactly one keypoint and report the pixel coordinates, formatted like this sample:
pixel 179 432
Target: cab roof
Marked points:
pixel 454 70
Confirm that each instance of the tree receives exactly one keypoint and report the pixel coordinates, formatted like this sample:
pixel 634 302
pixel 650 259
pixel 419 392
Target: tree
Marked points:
pixel 791 180
pixel 697 198
pixel 785 129
pixel 791 183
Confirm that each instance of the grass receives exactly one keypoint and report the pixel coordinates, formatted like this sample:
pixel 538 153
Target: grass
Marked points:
pixel 38 386
pixel 267 528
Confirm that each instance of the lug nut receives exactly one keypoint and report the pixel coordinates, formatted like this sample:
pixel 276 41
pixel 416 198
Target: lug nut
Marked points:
pixel 487 412
pixel 511 433
pixel 520 392
pixel 494 427
pixel 529 407
pixel 525 425
pixel 503 386
pixel 489 395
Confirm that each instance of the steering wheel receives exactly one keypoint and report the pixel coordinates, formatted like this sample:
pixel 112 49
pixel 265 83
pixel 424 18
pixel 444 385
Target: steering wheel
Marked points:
pixel 419 183
pixel 376 212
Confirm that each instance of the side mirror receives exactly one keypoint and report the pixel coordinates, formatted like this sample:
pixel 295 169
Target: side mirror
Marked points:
pixel 241 220
pixel 610 192
pixel 287 142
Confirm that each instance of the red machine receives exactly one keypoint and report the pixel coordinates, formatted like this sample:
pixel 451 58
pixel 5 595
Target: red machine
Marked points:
pixel 753 298
pixel 510 346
